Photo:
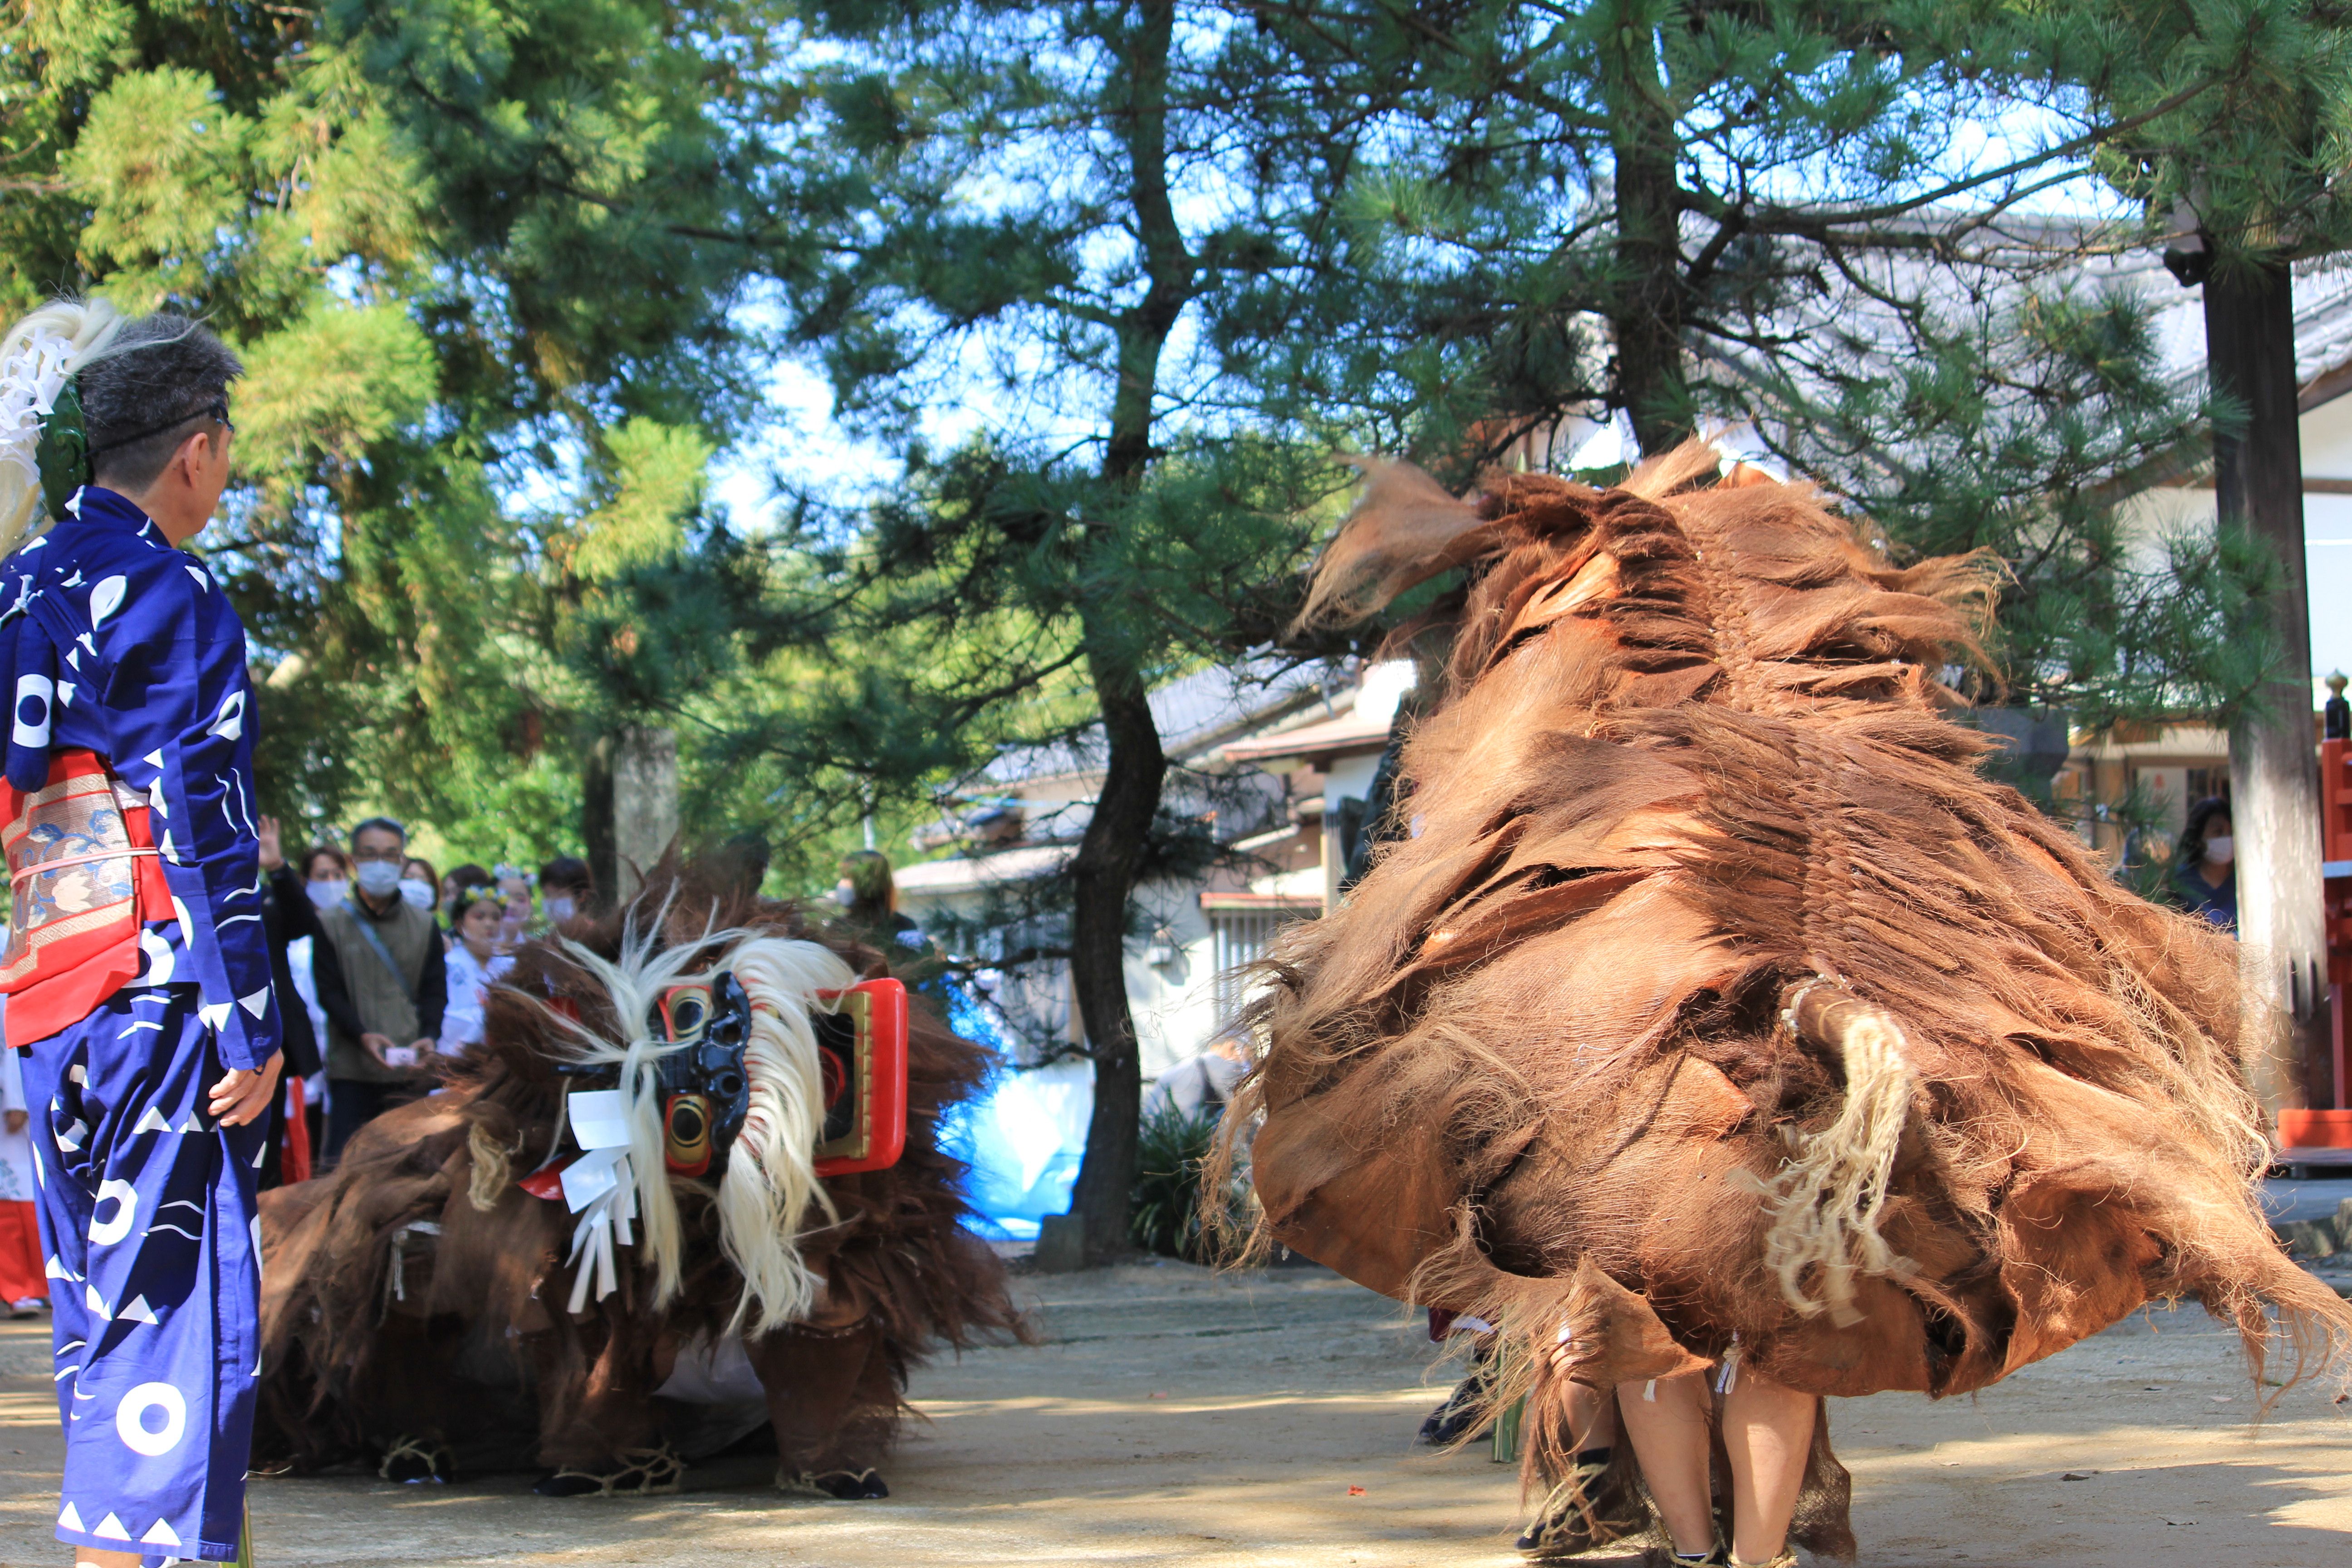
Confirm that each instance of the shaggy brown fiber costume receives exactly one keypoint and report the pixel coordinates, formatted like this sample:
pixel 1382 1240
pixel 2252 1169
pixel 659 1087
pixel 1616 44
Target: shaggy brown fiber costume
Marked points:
pixel 1713 997
pixel 376 1328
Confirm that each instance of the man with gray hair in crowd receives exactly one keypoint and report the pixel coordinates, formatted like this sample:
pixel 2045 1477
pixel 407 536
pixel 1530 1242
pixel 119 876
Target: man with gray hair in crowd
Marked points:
pixel 382 980
pixel 137 973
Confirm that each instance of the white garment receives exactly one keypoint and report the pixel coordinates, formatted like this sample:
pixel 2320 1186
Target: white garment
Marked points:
pixel 1195 1084
pixel 16 1177
pixel 469 981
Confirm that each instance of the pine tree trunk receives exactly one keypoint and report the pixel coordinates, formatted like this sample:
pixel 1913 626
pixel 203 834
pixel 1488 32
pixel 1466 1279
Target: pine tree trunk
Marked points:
pixel 2274 767
pixel 1104 877
pixel 1135 767
pixel 1646 316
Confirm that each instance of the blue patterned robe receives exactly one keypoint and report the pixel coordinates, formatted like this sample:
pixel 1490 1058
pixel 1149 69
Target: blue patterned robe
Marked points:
pixel 113 640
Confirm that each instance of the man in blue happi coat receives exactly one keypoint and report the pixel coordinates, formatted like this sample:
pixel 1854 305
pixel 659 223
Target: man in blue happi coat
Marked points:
pixel 138 977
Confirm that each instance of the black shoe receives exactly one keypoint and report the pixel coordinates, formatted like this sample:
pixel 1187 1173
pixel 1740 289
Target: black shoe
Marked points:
pixel 1582 1512
pixel 844 1486
pixel 414 1460
pixel 1459 1418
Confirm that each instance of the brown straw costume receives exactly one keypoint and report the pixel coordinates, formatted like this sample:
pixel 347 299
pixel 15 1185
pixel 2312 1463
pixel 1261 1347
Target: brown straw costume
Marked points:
pixel 417 1295
pixel 1712 997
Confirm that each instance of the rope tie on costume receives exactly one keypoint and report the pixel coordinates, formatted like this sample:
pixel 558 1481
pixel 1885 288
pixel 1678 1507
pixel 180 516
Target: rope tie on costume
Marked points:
pixel 45 867
pixel 1826 1200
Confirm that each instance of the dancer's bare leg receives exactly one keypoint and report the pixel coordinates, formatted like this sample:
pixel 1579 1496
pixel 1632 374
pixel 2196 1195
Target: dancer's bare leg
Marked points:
pixel 89 1557
pixel 1669 1433
pixel 1767 1430
pixel 1591 1419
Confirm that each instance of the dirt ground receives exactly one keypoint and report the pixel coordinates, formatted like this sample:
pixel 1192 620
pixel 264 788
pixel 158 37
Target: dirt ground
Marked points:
pixel 1175 1416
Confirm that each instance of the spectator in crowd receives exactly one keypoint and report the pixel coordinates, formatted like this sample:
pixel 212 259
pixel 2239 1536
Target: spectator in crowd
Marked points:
pixel 24 1275
pixel 2204 865
pixel 420 884
pixel 476 962
pixel 1201 1084
pixel 287 921
pixel 514 886
pixel 567 889
pixel 869 897
pixel 382 980
pixel 465 876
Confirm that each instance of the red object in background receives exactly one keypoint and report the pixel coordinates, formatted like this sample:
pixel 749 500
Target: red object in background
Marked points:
pixel 294 1159
pixel 22 1274
pixel 2335 848
pixel 870 1077
pixel 2315 1128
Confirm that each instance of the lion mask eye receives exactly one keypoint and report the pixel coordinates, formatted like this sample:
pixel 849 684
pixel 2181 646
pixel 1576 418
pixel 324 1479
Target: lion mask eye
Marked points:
pixel 685 1013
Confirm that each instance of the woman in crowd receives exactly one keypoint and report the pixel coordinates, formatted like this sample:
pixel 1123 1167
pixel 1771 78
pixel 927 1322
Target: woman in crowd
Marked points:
pixel 419 883
pixel 2204 865
pixel 465 876
pixel 478 959
pixel 24 1280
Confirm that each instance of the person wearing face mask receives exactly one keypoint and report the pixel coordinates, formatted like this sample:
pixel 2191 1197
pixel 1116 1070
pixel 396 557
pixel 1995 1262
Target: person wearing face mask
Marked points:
pixel 419 884
pixel 567 889
pixel 383 981
pixel 2204 866
pixel 478 961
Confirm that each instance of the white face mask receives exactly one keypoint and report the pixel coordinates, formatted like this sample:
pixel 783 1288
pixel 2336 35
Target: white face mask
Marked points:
pixel 2221 850
pixel 378 877
pixel 417 891
pixel 326 895
pixel 843 894
pixel 560 910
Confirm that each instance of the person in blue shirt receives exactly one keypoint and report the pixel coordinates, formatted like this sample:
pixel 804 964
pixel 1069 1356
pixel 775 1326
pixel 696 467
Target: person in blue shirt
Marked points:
pixel 2204 865
pixel 138 972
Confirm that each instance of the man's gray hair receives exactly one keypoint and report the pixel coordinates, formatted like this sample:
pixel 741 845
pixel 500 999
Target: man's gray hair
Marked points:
pixel 140 393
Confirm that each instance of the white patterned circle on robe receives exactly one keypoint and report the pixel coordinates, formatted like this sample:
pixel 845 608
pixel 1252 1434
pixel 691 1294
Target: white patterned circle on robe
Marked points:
pixel 131 1419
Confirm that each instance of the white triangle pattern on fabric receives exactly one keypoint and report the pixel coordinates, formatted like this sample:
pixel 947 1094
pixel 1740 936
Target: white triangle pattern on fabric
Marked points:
pixel 65 693
pixel 258 1004
pixel 110 1529
pixel 153 1121
pixel 193 1124
pixel 202 581
pixel 70 1518
pixel 215 1016
pixel 154 759
pixel 56 1270
pixel 162 1535
pixel 139 1311
pixel 90 1298
pixel 261 1154
pixel 155 799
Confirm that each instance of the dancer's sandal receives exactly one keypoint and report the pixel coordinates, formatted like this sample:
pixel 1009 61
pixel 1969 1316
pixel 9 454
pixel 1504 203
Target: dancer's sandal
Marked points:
pixel 842 1486
pixel 1788 1559
pixel 414 1460
pixel 636 1472
pixel 1579 1515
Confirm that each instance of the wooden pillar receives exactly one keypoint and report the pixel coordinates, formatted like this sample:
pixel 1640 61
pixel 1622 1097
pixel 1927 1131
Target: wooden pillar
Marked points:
pixel 2273 769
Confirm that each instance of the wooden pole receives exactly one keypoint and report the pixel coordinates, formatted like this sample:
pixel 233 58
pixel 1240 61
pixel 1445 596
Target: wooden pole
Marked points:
pixel 2274 768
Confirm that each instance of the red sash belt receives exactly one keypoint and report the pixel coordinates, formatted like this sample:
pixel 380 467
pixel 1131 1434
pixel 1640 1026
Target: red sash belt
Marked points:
pixel 84 880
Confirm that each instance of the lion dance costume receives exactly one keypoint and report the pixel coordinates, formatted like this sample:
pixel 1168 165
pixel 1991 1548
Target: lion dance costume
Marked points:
pixel 484 1278
pixel 1711 1004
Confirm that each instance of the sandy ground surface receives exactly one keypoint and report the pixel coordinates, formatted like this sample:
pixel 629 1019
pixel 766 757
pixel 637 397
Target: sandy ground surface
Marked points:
pixel 1178 1416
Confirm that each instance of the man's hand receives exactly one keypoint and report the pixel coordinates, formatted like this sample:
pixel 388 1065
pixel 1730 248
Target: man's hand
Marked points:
pixel 16 1120
pixel 273 853
pixel 243 1094
pixel 375 1045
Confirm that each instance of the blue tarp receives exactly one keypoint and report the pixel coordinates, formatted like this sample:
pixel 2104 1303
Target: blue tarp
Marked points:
pixel 1023 1138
